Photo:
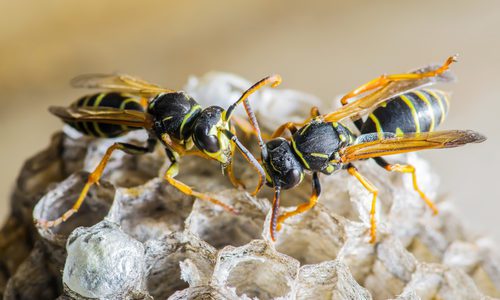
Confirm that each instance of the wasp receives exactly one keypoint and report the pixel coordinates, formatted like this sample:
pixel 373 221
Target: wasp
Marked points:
pixel 172 117
pixel 402 118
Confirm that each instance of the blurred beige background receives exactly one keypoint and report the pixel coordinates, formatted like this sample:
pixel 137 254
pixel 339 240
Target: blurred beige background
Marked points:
pixel 324 48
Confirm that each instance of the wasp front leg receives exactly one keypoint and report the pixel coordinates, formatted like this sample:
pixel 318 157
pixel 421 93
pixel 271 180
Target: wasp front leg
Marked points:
pixel 230 168
pixel 95 176
pixel 316 191
pixel 173 170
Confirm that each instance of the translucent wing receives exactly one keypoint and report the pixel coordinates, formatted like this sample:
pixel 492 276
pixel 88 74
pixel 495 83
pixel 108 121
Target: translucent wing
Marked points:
pixel 118 82
pixel 389 90
pixel 106 115
pixel 410 143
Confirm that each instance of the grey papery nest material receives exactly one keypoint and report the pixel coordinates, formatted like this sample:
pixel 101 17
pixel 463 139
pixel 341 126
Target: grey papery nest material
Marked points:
pixel 143 239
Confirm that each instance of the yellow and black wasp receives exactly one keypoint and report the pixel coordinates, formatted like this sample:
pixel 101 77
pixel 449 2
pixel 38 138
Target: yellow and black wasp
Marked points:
pixel 402 119
pixel 171 117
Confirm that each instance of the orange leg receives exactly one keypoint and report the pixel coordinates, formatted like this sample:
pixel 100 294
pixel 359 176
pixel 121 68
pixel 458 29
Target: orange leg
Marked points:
pixel 144 102
pixel 173 170
pixel 408 169
pixel 95 176
pixel 250 158
pixel 292 127
pixel 372 189
pixel 306 206
pixel 386 79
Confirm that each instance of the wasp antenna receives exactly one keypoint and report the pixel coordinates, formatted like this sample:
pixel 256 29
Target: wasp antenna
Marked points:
pixel 274 80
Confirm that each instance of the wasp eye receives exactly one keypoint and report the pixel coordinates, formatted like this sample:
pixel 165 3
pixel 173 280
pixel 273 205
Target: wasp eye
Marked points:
pixel 292 177
pixel 206 141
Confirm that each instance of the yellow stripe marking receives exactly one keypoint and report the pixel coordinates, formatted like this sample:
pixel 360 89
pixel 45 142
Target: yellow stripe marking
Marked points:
pixel 322 155
pixel 422 97
pixel 399 132
pixel 413 112
pixel 85 124
pixel 122 106
pixel 299 154
pixel 187 116
pixel 96 104
pixel 305 128
pixel 380 131
pixel 440 102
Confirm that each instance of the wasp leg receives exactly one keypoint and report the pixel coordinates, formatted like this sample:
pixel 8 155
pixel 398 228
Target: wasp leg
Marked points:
pixel 275 212
pixel 315 112
pixel 292 126
pixel 316 191
pixel 230 168
pixel 94 177
pixel 173 170
pixel 407 169
pixel 372 189
pixel 144 102
pixel 250 158
pixel 386 79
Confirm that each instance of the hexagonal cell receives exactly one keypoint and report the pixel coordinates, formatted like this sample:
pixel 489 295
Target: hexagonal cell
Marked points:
pixel 221 228
pixel 163 258
pixel 312 237
pixel 256 270
pixel 329 280
pixel 150 211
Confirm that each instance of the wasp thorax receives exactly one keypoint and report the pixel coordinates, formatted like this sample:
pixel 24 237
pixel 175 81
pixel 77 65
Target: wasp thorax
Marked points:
pixel 281 164
pixel 208 136
pixel 173 113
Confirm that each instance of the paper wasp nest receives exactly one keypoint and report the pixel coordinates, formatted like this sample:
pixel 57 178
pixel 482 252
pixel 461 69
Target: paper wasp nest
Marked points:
pixel 137 237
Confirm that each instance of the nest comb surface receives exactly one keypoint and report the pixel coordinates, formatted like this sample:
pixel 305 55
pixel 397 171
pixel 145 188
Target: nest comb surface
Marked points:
pixel 137 237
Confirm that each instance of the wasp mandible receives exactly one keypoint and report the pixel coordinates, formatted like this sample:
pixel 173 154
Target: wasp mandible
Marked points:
pixel 172 117
pixel 402 119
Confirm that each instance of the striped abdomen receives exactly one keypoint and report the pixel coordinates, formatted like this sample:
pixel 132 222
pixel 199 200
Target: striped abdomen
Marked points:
pixel 420 110
pixel 112 99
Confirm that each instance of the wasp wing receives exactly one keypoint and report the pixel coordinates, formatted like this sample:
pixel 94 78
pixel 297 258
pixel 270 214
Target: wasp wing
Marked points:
pixel 409 143
pixel 392 89
pixel 120 83
pixel 108 115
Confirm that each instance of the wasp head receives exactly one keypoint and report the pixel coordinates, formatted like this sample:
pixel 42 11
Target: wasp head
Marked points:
pixel 282 166
pixel 208 136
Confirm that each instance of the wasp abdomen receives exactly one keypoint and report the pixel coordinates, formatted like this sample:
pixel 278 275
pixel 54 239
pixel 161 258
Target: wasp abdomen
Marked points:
pixel 113 100
pixel 421 110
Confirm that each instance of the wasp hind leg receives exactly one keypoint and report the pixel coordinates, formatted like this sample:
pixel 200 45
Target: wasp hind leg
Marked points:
pixel 386 79
pixel 316 191
pixel 407 169
pixel 95 176
pixel 372 189
pixel 173 170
